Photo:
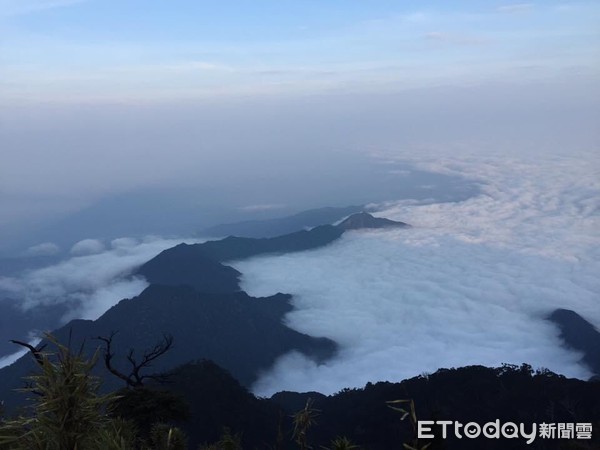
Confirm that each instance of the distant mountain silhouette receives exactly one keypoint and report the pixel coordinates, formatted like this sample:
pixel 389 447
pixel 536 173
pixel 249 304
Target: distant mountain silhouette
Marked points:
pixel 200 265
pixel 365 220
pixel 580 335
pixel 281 225
pixel 232 247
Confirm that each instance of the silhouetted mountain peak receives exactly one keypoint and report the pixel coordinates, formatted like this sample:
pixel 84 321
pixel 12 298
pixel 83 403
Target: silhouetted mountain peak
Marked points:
pixel 233 247
pixel 365 220
pixel 185 265
pixel 579 334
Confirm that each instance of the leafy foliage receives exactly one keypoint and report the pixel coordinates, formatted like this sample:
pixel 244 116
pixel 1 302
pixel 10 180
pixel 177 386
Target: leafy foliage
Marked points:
pixel 146 406
pixel 68 412
pixel 341 443
pixel 228 441
pixel 165 437
pixel 412 415
pixel 303 421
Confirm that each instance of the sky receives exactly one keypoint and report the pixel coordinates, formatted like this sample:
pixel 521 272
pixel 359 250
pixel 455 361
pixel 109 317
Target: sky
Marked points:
pixel 106 98
pixel 123 51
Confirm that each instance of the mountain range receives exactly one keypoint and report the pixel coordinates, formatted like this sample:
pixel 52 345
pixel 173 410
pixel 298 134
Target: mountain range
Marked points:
pixel 223 339
pixel 196 298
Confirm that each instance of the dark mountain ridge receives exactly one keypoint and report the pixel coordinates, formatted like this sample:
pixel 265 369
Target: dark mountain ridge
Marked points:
pixel 184 265
pixel 579 334
pixel 196 298
pixel 364 220
pixel 199 265
pixel 480 394
pixel 241 333
pixel 232 247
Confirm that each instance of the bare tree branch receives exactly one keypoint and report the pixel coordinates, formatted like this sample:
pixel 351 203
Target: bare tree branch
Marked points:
pixel 35 351
pixel 135 378
pixel 108 356
pixel 37 354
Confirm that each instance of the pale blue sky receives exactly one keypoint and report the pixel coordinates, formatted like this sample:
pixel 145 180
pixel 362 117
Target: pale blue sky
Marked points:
pixel 123 50
pixel 102 97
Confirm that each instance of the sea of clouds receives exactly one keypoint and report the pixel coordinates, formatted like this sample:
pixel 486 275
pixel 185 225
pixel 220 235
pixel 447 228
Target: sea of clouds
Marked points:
pixel 471 282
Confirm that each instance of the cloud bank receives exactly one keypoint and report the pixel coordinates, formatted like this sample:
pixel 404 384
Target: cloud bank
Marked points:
pixel 470 283
pixel 91 283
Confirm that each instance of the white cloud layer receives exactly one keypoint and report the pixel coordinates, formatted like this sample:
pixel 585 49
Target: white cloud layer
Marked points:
pixel 470 283
pixel 88 284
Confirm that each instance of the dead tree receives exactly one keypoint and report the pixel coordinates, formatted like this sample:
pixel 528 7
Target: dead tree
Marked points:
pixel 135 378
